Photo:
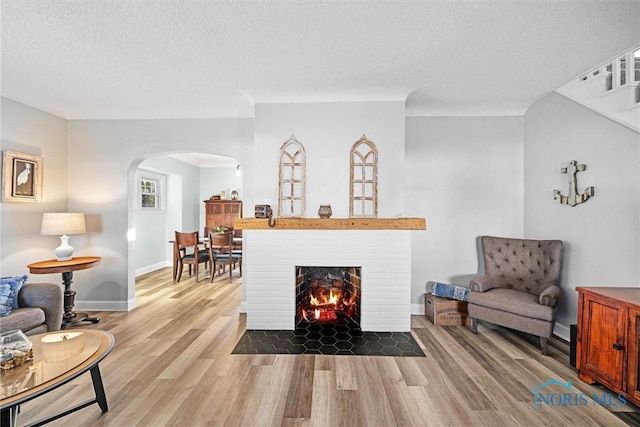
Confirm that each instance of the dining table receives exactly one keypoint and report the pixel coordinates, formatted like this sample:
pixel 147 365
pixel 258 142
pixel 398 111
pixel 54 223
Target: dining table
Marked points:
pixel 204 245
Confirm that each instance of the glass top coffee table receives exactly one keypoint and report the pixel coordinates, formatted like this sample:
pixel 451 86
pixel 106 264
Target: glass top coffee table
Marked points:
pixel 36 377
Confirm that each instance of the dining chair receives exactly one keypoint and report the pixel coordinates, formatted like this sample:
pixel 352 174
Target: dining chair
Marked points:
pixel 186 251
pixel 224 256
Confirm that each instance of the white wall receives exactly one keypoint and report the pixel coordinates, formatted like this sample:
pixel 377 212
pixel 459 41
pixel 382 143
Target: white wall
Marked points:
pixel 465 176
pixel 602 236
pixel 443 173
pixel 468 176
pixel 104 155
pixel 327 131
pixel 31 131
pixel 89 166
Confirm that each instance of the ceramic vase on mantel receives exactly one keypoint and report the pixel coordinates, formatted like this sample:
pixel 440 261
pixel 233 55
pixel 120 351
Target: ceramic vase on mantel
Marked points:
pixel 325 211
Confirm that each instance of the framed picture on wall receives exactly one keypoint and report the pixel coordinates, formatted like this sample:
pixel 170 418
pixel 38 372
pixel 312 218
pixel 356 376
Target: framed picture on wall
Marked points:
pixel 21 178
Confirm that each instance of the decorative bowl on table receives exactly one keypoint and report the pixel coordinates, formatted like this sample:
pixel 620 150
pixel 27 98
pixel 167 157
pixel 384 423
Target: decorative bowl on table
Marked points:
pixel 15 349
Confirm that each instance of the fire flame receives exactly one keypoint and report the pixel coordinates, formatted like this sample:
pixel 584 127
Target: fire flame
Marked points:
pixel 325 303
pixel 321 300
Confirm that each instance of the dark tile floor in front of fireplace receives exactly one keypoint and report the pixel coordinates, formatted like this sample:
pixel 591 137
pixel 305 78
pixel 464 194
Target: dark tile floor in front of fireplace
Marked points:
pixel 338 340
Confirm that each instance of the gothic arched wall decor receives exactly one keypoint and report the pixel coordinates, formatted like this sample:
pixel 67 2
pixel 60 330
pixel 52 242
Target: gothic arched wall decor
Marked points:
pixel 292 179
pixel 363 182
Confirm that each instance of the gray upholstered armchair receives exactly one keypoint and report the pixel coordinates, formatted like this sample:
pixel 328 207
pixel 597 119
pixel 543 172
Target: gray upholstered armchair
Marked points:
pixel 521 286
pixel 41 309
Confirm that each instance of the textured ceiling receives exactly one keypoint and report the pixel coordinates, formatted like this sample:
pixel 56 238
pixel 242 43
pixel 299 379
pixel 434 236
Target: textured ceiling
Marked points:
pixel 182 59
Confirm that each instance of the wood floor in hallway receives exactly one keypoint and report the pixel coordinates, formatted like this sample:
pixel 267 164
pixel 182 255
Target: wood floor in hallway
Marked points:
pixel 172 366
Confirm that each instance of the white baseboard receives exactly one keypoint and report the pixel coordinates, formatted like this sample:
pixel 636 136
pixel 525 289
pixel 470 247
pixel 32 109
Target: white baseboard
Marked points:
pixel 153 267
pixel 562 331
pixel 105 305
pixel 417 309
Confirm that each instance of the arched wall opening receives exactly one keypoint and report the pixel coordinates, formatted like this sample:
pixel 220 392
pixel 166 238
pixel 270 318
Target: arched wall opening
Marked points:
pixel 181 181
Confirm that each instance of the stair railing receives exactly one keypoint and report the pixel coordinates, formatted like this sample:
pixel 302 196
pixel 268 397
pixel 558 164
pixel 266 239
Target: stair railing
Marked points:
pixel 617 72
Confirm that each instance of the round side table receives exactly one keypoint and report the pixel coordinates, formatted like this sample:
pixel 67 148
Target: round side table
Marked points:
pixel 67 268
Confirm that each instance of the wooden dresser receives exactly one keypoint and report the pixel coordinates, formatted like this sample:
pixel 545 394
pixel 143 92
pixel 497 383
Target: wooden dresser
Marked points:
pixel 222 212
pixel 608 339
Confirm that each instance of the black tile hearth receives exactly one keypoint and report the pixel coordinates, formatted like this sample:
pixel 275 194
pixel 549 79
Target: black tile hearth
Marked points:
pixel 325 339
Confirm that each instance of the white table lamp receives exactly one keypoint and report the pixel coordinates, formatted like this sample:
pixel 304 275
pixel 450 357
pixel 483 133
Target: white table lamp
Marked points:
pixel 62 224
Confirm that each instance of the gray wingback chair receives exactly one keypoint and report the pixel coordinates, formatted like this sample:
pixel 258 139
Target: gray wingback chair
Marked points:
pixel 521 286
pixel 41 309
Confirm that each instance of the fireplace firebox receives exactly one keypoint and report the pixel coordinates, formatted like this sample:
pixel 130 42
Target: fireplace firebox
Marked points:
pixel 328 295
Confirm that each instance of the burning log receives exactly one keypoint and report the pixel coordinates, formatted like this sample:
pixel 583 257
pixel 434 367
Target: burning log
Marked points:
pixel 327 304
pixel 325 296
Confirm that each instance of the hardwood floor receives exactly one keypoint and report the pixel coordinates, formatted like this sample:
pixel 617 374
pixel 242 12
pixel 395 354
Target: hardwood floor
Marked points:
pixel 172 366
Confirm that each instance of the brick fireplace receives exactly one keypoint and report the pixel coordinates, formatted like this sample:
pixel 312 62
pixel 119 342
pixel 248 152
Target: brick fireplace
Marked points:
pixel 271 256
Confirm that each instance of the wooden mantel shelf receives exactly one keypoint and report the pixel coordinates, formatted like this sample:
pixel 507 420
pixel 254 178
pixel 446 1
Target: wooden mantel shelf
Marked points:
pixel 332 224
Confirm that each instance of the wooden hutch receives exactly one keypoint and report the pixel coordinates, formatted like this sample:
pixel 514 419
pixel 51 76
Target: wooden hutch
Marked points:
pixel 608 339
pixel 222 213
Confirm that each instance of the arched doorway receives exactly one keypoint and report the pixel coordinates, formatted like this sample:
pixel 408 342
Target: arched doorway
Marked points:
pixel 167 194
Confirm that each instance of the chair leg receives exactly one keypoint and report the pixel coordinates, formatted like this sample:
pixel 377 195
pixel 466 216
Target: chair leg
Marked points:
pixel 543 345
pixel 240 265
pixel 179 274
pixel 474 325
pixel 212 270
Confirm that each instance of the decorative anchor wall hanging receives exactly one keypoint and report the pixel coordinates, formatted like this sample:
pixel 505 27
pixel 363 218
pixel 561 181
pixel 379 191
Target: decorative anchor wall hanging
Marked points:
pixel 574 197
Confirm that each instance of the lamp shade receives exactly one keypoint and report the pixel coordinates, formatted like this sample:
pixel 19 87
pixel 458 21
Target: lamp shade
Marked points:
pixel 62 346
pixel 61 223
